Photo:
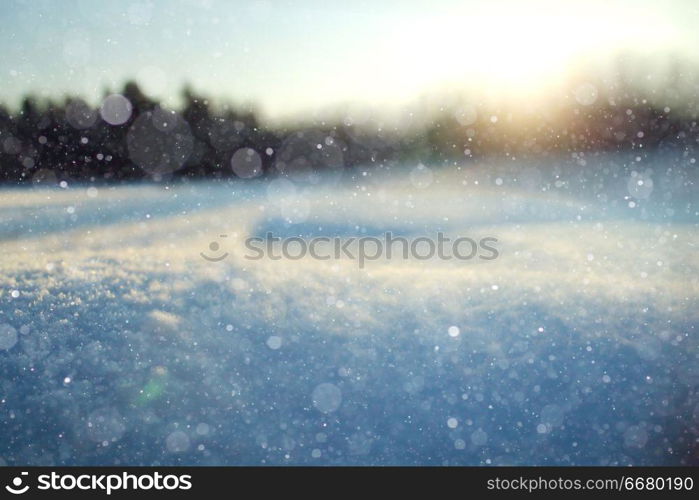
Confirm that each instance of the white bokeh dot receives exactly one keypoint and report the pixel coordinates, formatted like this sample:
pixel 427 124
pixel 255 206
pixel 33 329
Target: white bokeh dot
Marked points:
pixel 116 109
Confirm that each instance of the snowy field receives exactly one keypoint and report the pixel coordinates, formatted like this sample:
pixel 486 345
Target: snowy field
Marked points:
pixel 120 344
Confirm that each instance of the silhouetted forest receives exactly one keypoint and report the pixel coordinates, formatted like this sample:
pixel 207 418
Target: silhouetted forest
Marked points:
pixel 132 137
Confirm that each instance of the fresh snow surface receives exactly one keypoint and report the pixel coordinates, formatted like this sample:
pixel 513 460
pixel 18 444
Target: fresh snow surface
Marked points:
pixel 121 345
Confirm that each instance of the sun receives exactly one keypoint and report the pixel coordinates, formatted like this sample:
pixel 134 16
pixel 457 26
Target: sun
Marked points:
pixel 507 47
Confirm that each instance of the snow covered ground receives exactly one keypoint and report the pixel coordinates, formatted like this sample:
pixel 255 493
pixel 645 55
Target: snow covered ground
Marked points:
pixel 120 344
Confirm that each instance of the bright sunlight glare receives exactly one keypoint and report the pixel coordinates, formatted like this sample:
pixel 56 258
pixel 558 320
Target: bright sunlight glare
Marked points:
pixel 513 50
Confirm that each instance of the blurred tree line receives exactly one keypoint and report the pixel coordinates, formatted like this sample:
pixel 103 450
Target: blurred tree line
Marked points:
pixel 70 141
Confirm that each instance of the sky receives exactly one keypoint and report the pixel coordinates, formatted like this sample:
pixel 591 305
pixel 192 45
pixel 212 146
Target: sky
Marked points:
pixel 291 57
